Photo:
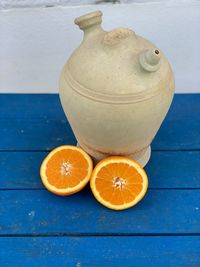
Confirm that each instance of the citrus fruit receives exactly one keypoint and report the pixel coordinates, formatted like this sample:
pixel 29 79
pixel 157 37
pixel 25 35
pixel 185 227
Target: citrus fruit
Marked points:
pixel 66 170
pixel 118 183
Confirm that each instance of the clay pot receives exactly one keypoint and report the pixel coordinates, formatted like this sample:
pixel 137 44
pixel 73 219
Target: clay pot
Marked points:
pixel 115 89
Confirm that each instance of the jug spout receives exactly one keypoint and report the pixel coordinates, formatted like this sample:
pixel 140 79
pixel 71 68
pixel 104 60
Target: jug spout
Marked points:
pixel 150 60
pixel 90 23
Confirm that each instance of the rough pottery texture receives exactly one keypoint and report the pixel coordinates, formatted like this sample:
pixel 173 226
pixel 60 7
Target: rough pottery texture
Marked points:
pixel 115 89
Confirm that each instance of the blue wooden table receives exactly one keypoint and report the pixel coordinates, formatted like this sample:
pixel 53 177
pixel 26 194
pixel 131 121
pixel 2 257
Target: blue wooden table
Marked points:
pixel 41 229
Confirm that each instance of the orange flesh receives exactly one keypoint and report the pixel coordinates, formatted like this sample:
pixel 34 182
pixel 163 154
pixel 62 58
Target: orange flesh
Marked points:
pixel 66 168
pixel 106 183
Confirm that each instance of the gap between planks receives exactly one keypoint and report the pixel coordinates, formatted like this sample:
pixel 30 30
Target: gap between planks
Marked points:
pixel 48 150
pixel 150 188
pixel 97 234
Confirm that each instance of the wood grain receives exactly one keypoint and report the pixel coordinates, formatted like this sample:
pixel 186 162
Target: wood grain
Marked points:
pixel 41 212
pixel 37 122
pixel 38 228
pixel 101 251
pixel 176 169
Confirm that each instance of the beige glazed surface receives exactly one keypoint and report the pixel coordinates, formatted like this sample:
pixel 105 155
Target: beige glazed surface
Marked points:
pixel 115 89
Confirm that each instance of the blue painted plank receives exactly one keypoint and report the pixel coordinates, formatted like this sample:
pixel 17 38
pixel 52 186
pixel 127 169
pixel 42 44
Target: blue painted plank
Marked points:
pixel 101 251
pixel 181 128
pixel 47 106
pixel 31 106
pixel 20 170
pixel 38 211
pixel 34 134
pixel 37 122
pixel 177 169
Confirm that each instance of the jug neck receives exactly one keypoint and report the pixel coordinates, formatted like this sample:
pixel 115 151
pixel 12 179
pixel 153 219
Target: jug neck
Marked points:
pixel 90 23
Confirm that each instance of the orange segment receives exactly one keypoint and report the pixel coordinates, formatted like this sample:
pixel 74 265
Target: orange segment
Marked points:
pixel 118 183
pixel 66 170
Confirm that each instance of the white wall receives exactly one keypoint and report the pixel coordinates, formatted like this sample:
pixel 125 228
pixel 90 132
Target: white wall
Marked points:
pixel 35 41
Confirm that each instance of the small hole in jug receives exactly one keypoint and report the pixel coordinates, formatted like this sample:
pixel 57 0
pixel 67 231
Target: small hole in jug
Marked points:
pixel 157 52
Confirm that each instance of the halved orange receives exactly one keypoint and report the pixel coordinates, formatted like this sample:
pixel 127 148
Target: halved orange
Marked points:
pixel 66 170
pixel 118 183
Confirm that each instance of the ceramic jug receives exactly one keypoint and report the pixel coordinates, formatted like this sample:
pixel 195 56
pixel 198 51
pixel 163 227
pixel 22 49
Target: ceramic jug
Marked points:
pixel 115 89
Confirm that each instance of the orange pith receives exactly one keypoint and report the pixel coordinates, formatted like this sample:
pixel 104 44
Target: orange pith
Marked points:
pixel 66 170
pixel 118 183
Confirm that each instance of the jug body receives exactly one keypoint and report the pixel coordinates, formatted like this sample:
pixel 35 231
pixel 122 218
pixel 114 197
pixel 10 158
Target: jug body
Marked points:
pixel 115 90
